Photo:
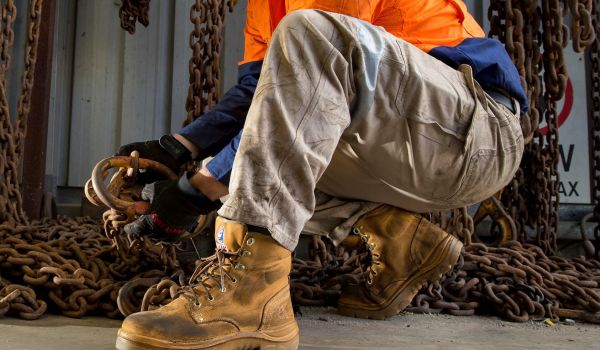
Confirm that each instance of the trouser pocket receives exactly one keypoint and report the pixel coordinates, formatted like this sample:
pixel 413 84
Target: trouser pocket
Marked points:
pixel 493 153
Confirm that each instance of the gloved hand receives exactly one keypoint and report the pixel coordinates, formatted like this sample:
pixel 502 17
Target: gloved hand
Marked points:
pixel 175 207
pixel 159 152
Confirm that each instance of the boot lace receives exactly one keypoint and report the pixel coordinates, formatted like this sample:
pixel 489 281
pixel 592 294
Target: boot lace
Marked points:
pixel 212 273
pixel 374 254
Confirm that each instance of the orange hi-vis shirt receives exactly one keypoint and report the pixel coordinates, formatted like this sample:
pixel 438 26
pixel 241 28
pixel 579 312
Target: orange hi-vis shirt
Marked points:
pixel 424 23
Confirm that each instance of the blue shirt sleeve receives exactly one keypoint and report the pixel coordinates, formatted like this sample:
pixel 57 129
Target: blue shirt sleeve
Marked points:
pixel 492 67
pixel 220 166
pixel 217 127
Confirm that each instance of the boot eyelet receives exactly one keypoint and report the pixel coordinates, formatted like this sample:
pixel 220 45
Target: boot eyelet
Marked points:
pixel 211 298
pixel 197 304
pixel 371 246
pixel 240 266
pixel 234 280
pixel 246 253
pixel 356 231
pixel 250 241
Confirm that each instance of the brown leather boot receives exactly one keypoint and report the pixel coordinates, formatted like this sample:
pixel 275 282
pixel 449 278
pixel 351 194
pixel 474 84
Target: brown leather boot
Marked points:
pixel 239 299
pixel 407 251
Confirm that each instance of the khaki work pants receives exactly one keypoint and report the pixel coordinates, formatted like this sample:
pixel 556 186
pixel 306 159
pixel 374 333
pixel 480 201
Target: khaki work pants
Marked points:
pixel 347 116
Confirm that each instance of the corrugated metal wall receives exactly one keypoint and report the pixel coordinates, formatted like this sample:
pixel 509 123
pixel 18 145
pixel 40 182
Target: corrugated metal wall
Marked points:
pixel 111 88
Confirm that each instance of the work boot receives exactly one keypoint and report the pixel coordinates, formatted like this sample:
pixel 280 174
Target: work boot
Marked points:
pixel 239 298
pixel 407 251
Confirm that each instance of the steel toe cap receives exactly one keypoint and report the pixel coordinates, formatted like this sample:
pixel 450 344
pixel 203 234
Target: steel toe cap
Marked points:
pixel 171 325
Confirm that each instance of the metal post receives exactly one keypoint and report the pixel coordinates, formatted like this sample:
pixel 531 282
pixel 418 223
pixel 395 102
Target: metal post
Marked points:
pixel 34 163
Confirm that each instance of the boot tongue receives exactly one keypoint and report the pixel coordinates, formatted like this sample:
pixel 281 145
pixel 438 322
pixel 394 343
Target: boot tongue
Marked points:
pixel 229 235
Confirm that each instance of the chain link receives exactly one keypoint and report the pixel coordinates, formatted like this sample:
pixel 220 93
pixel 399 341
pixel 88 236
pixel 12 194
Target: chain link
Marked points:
pixel 24 104
pixel 12 135
pixel 206 42
pixel 546 180
pixel 133 11
pixel 582 30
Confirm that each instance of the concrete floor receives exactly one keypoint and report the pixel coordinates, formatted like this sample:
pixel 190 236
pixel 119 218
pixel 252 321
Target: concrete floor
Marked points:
pixel 322 329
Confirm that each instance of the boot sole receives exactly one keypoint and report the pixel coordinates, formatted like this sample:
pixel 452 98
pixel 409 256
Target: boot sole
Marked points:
pixel 240 342
pixel 435 270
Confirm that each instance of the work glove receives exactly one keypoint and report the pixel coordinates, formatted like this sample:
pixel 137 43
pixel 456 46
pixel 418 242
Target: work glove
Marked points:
pixel 174 210
pixel 167 151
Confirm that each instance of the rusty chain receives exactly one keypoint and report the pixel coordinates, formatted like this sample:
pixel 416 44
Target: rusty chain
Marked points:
pixel 12 135
pixel 22 301
pixel 319 280
pixel 525 48
pixel 536 47
pixel 133 11
pixel 517 282
pixel 206 42
pixel 555 81
pixel 8 210
pixel 582 29
pixel 24 103
pixel 75 268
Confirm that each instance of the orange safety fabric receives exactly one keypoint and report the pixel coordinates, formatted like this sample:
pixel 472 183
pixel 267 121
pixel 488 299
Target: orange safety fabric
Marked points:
pixel 423 23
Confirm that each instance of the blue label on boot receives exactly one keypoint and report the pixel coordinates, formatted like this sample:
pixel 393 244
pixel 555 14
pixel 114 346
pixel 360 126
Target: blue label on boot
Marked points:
pixel 220 241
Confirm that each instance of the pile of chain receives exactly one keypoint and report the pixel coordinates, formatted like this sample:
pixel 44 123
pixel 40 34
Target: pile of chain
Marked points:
pixel 70 265
pixel 517 282
pixel 319 280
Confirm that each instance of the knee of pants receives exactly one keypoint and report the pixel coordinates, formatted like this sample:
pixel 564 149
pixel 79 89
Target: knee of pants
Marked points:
pixel 300 19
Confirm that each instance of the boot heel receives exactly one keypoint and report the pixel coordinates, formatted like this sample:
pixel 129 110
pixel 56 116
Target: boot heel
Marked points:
pixel 449 254
pixel 449 257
